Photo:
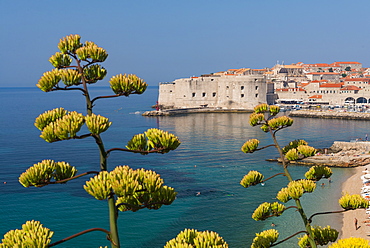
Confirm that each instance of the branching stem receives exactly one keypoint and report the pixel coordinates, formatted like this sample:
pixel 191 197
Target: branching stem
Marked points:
pixel 281 173
pixel 81 233
pixel 330 212
pixel 291 236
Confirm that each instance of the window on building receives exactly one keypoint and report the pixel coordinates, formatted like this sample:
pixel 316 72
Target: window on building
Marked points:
pixel 242 95
pixel 203 94
pixel 214 94
pixel 256 87
pixel 242 87
pixel 227 87
pixel 193 94
pixel 256 95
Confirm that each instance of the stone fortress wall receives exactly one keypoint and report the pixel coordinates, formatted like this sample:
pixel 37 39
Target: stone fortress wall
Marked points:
pixel 218 92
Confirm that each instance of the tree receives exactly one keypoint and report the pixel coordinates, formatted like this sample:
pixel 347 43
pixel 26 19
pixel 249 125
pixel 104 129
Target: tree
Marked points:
pixel 348 68
pixel 266 117
pixel 123 188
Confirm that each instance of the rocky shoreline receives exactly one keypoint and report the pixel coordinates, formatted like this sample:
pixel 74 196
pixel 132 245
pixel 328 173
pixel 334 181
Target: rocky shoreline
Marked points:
pixel 340 154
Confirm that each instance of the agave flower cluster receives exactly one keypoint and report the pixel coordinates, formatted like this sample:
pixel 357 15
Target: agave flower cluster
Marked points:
pixel 153 139
pixel 190 238
pixel 86 70
pixel 40 174
pixel 322 236
pixel 136 189
pixel 60 124
pixel 32 235
pixel 265 239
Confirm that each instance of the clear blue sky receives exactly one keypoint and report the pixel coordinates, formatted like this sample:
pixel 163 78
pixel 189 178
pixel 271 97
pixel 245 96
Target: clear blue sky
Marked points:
pixel 162 40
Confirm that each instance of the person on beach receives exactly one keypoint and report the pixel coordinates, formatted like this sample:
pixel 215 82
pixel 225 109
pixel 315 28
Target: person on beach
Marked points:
pixel 356 222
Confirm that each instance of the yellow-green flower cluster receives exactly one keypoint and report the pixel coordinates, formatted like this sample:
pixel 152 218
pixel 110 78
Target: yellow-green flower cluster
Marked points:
pixel 41 173
pixel 92 51
pixel 294 144
pixel 322 236
pixel 250 146
pixel 280 122
pixel 49 80
pixel 136 189
pixel 63 128
pixel 153 139
pixel 353 202
pixel 70 43
pixel 252 178
pixel 70 77
pixel 261 108
pixel 32 235
pixel 296 189
pixel 190 238
pixel 266 210
pixel 292 155
pixel 97 123
pixel 49 116
pixel 256 119
pixel 94 73
pixel 265 239
pixel 317 172
pixel 306 151
pixel 127 84
pixel 60 60
pixel 351 242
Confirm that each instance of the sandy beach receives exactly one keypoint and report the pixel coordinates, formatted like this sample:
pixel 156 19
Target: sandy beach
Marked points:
pixel 353 186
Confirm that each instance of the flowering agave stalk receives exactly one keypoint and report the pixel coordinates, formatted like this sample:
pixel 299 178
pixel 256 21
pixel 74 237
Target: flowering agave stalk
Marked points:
pixel 123 188
pixel 266 117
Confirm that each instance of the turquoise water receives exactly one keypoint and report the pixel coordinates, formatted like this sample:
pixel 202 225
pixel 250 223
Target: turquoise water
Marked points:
pixel 208 161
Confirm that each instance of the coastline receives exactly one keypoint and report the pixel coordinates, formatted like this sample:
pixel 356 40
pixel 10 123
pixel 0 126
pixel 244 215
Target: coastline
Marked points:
pixel 353 185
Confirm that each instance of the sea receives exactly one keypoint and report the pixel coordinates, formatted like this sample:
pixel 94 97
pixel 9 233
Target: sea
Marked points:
pixel 205 170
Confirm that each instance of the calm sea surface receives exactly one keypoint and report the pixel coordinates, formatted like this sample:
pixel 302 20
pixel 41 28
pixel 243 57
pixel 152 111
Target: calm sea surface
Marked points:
pixel 208 161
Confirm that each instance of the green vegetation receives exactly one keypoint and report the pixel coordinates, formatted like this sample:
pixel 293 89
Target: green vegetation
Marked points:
pixel 123 188
pixel 266 117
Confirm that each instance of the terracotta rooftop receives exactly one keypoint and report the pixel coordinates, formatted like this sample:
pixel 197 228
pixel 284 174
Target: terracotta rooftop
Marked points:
pixel 350 87
pixel 331 85
pixel 316 97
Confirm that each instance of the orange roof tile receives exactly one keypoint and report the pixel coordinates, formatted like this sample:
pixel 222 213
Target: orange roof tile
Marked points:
pixel 321 65
pixel 319 81
pixel 350 87
pixel 290 89
pixel 331 85
pixel 357 79
pixel 316 97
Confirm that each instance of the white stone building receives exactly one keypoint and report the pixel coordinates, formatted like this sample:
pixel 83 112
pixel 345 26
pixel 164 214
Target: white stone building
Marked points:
pixel 228 91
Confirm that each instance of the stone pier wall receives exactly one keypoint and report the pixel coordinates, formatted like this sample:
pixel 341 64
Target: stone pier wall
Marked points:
pixel 345 146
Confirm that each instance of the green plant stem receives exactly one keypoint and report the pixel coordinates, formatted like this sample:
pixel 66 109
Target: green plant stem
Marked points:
pixel 113 215
pixel 297 201
pixel 103 167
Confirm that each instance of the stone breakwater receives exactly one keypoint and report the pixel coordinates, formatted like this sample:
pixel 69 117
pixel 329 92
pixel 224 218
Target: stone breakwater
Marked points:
pixel 341 154
pixel 170 112
pixel 330 114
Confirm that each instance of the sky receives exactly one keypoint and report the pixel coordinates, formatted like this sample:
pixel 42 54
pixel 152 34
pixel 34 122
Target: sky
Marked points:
pixel 163 40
